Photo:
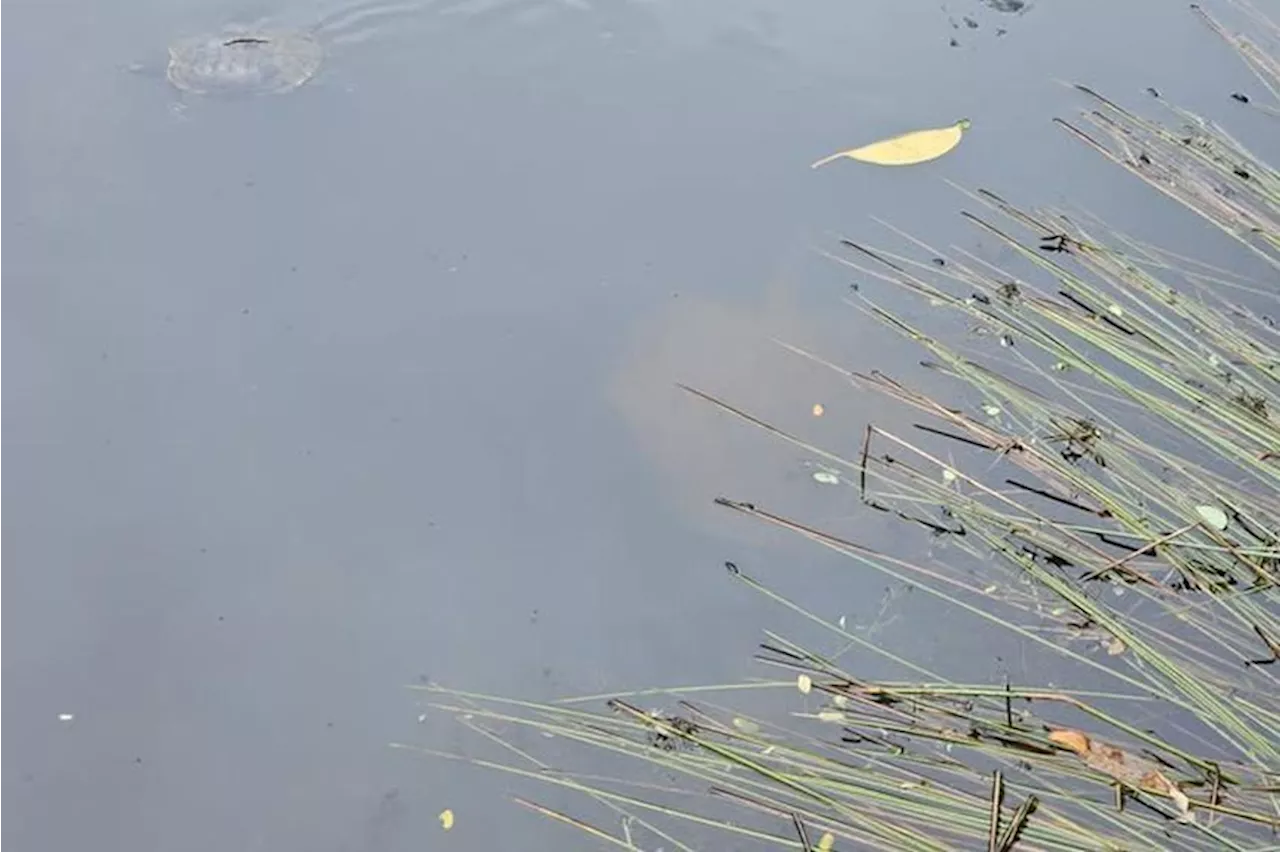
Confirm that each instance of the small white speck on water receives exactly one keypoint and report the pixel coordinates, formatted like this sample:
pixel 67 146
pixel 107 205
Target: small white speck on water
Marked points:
pixel 66 717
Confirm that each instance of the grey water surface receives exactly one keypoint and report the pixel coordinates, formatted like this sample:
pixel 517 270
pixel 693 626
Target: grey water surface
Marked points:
pixel 312 396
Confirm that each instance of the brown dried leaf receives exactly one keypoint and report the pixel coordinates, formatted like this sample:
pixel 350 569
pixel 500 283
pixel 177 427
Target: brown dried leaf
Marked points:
pixel 1126 767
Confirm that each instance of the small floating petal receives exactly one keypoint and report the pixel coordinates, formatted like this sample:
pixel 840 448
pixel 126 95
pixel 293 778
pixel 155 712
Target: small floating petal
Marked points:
pixel 1213 516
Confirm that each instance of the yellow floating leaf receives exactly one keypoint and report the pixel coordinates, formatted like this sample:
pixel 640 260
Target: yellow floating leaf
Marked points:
pixel 826 842
pixel 804 683
pixel 916 147
pixel 446 819
pixel 818 410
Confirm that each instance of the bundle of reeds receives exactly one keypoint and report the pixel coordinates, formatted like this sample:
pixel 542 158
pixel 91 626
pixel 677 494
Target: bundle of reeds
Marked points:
pixel 1114 470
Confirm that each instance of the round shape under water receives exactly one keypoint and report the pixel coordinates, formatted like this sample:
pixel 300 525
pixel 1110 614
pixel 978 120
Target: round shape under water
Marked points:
pixel 244 62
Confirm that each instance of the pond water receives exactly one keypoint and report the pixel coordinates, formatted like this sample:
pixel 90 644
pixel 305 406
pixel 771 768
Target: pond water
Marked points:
pixel 310 396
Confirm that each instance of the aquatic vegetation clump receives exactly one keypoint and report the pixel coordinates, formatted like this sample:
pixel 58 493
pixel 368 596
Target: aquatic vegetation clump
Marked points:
pixel 1104 486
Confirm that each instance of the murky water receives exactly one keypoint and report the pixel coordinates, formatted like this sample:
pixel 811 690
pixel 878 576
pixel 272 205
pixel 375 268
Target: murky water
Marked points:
pixel 309 396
